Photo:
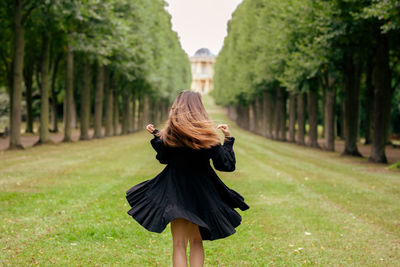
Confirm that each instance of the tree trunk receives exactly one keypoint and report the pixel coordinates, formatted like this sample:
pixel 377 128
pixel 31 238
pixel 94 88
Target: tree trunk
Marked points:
pixel 369 100
pixel 269 107
pixel 74 125
pixel 69 94
pixel 130 114
pixel 86 101
pixel 283 128
pixel 146 110
pixel 159 112
pixel 259 115
pixel 323 110
pixel 329 121
pixel 340 120
pixel 166 110
pixel 153 108
pixel 351 88
pixel 292 116
pixel 28 78
pixel 18 66
pixel 276 114
pixel 54 115
pixel 10 76
pixel 116 109
pixel 252 116
pixel 263 115
pixel 382 100
pixel 232 112
pixel 134 113
pixel 44 135
pixel 239 115
pixel 125 111
pixel 109 105
pixel 141 113
pixel 243 116
pixel 280 115
pixel 312 101
pixel 301 120
pixel 98 106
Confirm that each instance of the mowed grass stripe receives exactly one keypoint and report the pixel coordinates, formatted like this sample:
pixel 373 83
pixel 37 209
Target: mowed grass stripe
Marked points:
pixel 366 201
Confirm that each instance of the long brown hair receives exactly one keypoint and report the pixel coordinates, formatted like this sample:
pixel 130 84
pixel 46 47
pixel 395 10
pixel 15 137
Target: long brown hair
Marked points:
pixel 188 124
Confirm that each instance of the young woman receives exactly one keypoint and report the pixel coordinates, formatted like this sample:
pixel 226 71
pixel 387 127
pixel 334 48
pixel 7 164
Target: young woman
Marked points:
pixel 188 193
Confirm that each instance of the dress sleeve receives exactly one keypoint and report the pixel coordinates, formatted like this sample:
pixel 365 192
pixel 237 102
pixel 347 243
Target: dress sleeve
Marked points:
pixel 223 156
pixel 159 147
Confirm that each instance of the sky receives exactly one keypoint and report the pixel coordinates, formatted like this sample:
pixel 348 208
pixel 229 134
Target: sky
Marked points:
pixel 201 23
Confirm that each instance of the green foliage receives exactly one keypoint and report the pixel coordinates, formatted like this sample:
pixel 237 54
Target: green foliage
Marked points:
pixel 134 39
pixel 273 43
pixel 388 12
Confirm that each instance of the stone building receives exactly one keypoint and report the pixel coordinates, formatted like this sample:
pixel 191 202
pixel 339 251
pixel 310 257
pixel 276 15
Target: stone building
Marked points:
pixel 202 71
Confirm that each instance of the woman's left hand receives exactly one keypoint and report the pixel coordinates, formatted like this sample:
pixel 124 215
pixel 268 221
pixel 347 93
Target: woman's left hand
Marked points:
pixel 225 129
pixel 150 128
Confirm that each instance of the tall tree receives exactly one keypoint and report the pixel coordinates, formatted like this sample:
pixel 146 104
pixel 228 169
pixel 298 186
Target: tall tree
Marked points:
pixel 16 91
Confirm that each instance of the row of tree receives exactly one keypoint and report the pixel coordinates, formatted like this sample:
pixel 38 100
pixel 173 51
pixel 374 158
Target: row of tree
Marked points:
pixel 105 63
pixel 286 64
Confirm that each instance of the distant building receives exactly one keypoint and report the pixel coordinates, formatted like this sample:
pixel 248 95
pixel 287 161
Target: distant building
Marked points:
pixel 202 71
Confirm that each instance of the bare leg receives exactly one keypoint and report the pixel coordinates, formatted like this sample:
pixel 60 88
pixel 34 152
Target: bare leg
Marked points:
pixel 179 229
pixel 196 246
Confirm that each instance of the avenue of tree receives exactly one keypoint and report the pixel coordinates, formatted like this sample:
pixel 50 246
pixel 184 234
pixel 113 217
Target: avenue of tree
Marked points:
pixel 288 64
pixel 101 64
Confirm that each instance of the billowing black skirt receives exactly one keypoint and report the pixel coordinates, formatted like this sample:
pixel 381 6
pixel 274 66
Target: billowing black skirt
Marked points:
pixel 199 197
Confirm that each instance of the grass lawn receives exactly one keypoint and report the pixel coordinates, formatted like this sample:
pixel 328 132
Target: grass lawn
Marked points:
pixel 65 205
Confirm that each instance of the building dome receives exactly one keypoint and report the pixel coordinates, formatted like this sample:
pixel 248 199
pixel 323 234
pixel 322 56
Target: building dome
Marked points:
pixel 203 52
pixel 202 64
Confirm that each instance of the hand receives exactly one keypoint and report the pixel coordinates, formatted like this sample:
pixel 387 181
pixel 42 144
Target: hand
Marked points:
pixel 150 128
pixel 225 129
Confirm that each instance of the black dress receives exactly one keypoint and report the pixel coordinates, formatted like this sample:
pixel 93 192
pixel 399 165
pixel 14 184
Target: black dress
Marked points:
pixel 189 188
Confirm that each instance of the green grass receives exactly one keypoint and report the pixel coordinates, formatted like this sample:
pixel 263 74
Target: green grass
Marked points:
pixel 65 205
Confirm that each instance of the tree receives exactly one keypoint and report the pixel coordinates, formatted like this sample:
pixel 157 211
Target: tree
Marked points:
pixel 311 48
pixel 21 13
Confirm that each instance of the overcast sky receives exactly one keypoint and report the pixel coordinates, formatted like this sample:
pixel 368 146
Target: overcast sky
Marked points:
pixel 201 23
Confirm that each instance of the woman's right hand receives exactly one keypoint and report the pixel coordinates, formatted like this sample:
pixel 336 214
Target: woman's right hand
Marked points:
pixel 150 128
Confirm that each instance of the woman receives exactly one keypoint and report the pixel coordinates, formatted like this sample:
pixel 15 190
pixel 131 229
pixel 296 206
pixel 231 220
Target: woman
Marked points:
pixel 188 193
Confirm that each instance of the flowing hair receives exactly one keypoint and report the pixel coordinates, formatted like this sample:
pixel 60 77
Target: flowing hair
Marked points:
pixel 188 124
